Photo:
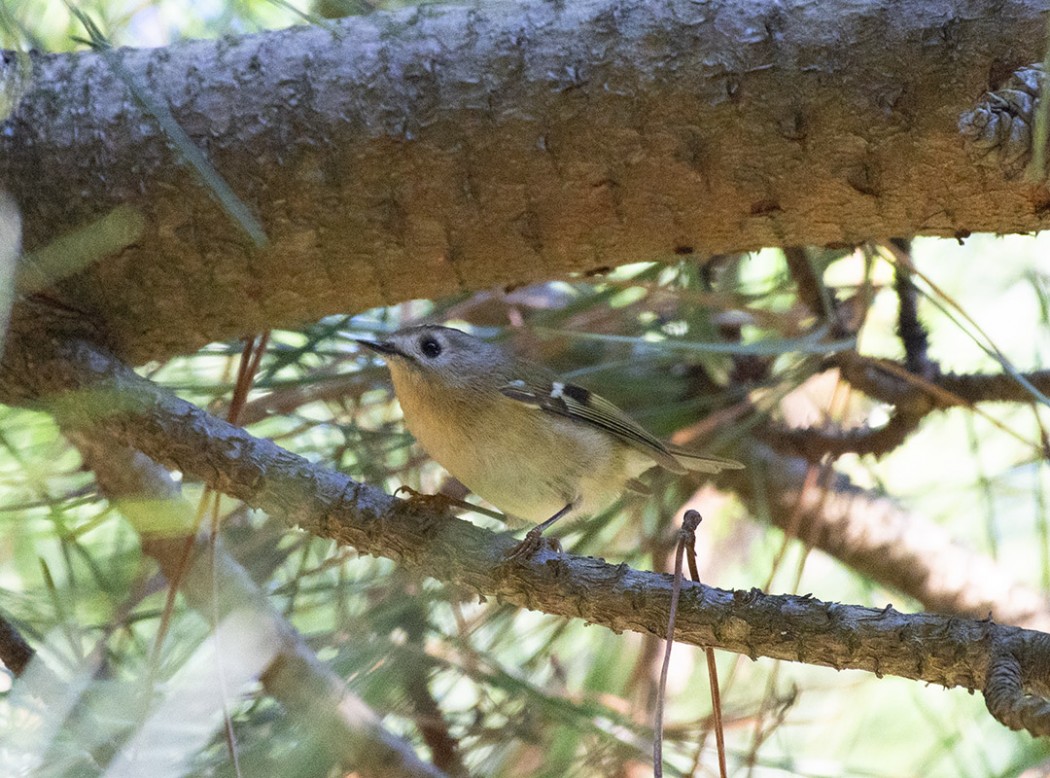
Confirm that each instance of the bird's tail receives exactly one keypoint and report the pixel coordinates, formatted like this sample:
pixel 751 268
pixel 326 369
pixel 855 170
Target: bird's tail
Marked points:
pixel 703 463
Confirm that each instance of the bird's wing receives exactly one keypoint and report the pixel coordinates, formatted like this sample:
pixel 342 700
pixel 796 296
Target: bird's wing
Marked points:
pixel 585 406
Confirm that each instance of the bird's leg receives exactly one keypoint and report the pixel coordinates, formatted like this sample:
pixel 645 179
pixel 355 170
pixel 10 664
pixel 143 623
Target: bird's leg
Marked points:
pixel 534 537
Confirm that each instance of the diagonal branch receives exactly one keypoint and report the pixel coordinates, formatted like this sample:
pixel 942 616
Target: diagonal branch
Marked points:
pixel 142 490
pixel 874 535
pixel 810 287
pixel 87 388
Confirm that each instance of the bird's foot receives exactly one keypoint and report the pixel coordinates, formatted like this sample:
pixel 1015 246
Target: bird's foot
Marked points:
pixel 439 502
pixel 533 541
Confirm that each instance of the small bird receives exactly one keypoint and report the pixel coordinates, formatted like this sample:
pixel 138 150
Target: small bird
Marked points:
pixel 537 448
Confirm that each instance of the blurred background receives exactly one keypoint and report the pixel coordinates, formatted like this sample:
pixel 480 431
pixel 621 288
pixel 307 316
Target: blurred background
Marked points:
pixel 885 399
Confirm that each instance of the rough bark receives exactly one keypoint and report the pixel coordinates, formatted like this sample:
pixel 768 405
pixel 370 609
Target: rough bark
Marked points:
pixel 438 149
pixel 863 528
pixel 81 385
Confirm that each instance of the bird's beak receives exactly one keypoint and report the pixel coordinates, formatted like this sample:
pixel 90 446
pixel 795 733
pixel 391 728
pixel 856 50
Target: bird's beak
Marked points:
pixel 384 347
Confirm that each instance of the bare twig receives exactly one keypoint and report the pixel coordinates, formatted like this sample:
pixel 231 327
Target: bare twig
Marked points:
pixel 914 396
pixel 686 537
pixel 444 748
pixel 690 519
pixel 809 286
pixel 1004 691
pixel 993 387
pixel 909 328
pixel 813 444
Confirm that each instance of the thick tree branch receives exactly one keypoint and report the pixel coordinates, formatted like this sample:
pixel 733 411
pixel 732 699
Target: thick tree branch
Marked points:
pixel 436 149
pixel 86 388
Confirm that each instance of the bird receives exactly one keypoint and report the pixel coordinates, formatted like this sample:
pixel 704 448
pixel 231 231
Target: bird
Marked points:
pixel 536 447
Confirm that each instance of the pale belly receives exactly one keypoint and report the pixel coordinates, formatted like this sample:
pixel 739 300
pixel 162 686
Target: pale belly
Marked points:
pixel 530 468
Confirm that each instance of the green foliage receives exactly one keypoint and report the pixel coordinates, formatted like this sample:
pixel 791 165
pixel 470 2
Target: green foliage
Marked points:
pixel 522 693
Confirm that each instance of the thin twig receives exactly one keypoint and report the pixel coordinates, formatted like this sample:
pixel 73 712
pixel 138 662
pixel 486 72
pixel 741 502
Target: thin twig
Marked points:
pixel 809 285
pixel 687 535
pixel 911 331
pixel 712 667
pixel 716 710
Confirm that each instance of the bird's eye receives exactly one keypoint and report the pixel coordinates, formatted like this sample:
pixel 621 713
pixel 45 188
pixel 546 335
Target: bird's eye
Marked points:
pixel 430 347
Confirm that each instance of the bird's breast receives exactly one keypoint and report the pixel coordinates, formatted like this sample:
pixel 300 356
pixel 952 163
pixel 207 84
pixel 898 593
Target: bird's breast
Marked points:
pixel 525 461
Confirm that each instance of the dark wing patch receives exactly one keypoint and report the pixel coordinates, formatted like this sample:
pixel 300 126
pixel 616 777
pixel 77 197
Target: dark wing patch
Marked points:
pixel 577 393
pixel 585 406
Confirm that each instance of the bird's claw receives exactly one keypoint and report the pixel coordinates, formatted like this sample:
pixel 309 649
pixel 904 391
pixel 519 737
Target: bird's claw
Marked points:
pixel 440 502
pixel 532 542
